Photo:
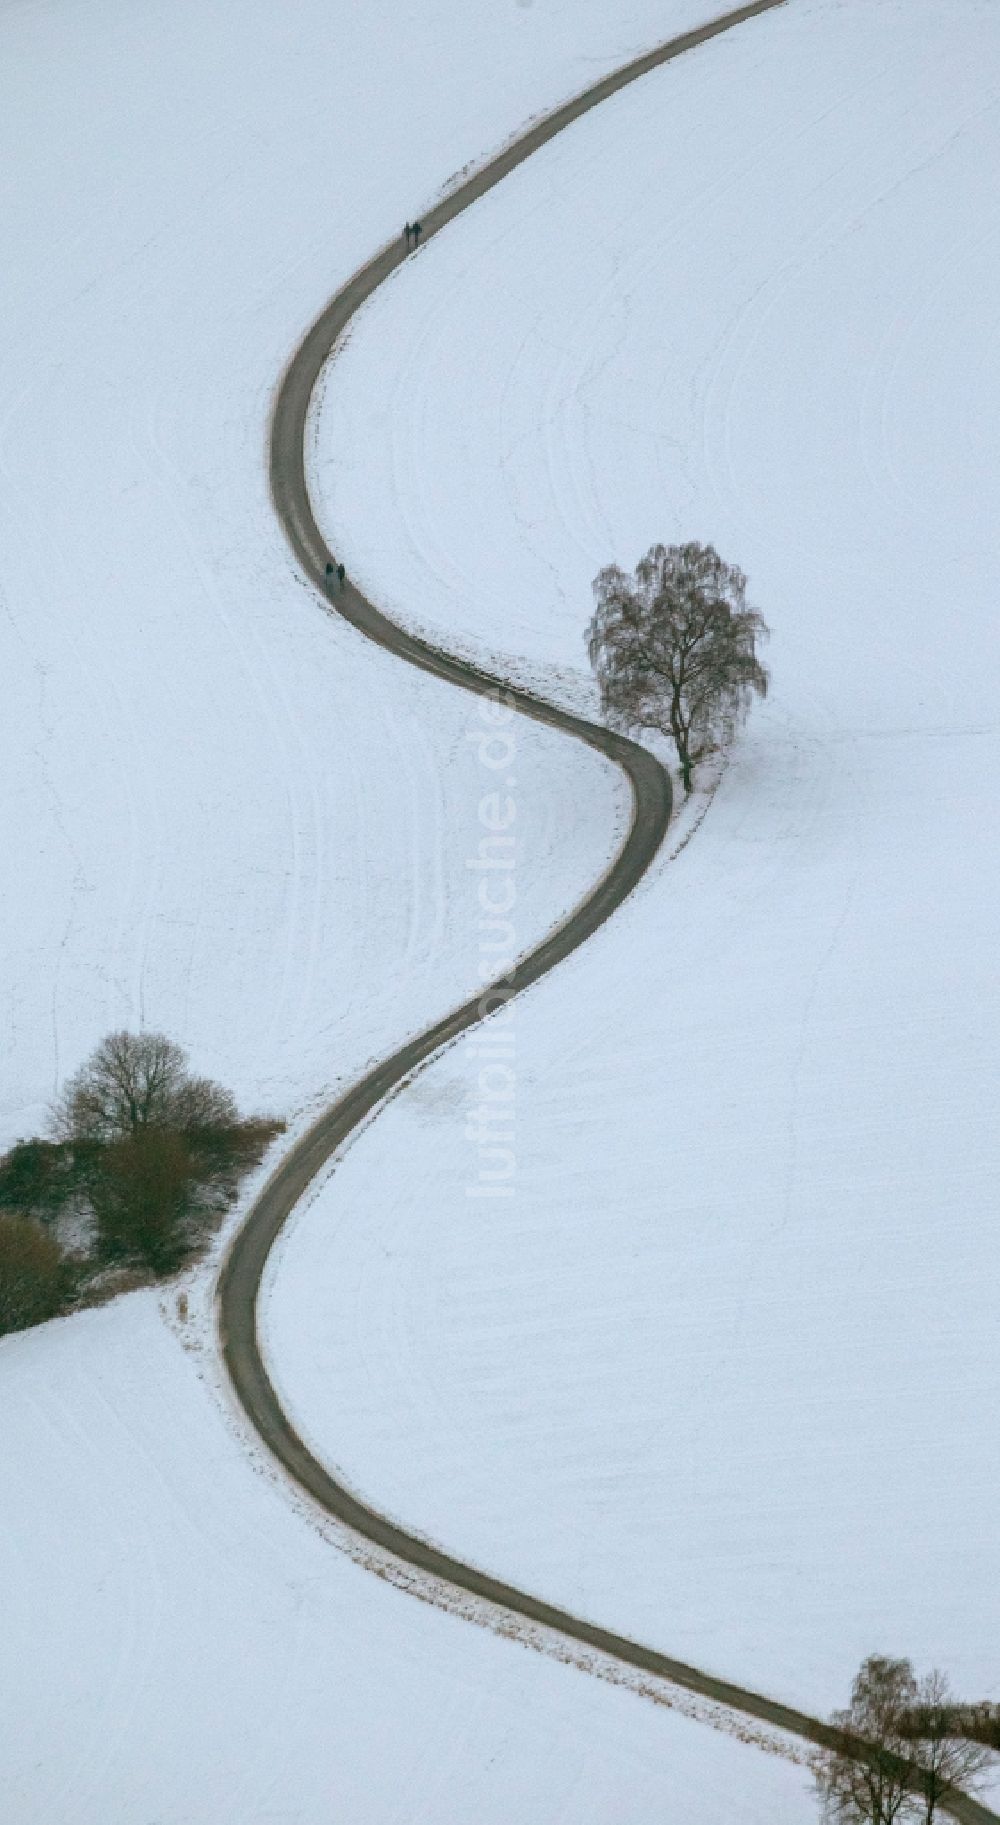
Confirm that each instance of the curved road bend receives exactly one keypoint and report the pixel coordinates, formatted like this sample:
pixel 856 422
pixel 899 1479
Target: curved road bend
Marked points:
pixel 241 1275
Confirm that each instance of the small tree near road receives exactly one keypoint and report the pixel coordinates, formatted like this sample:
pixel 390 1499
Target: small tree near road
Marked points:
pixel 36 1180
pixel 902 1749
pixel 674 649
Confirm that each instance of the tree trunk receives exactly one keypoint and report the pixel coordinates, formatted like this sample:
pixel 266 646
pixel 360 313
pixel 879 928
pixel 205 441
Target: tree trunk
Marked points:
pixel 682 738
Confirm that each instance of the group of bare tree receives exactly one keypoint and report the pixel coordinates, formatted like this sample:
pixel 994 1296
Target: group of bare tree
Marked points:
pixel 36 1278
pixel 143 1158
pixel 674 649
pixel 904 1748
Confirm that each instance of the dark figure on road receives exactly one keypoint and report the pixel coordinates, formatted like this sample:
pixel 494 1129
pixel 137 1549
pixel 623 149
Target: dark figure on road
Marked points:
pixel 408 230
pixel 340 575
pixel 330 574
pixel 416 232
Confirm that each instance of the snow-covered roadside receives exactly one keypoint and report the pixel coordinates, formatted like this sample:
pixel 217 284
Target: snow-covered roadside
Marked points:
pixel 724 1371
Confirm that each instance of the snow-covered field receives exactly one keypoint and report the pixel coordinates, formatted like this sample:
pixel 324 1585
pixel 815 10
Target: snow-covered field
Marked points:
pixel 227 817
pixel 179 1644
pixel 724 1371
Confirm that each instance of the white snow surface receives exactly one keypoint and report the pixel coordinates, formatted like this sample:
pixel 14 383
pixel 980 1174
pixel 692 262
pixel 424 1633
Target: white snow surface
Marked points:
pixel 226 816
pixel 180 1644
pixel 723 1372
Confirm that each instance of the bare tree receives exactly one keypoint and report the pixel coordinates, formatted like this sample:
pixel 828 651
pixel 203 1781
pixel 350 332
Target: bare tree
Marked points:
pixel 945 1757
pixel 142 1197
pixel 153 1153
pixel 673 647
pixel 134 1081
pixel 870 1780
pixel 36 1179
pixel 904 1748
pixel 146 1160
pixel 978 1723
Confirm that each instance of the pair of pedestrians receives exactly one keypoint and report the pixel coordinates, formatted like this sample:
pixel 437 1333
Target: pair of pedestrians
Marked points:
pixel 335 570
pixel 413 232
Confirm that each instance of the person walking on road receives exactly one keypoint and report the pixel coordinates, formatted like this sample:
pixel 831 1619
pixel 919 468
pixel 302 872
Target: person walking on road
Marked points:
pixel 408 230
pixel 330 574
pixel 340 577
pixel 416 232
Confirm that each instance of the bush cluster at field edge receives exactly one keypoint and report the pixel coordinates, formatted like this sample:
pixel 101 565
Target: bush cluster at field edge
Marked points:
pixel 143 1159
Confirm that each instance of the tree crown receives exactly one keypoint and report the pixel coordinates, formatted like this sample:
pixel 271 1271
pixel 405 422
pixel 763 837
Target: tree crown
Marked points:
pixel 673 646
pixel 134 1081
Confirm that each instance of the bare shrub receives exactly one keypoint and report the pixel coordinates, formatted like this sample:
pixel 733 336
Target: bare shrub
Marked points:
pixel 947 1758
pixel 141 1192
pixel 223 1155
pixel 877 1786
pixel 37 1179
pixel 146 1159
pixel 157 1194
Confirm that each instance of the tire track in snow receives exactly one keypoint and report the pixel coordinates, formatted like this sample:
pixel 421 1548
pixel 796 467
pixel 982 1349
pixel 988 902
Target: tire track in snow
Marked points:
pixel 243 1270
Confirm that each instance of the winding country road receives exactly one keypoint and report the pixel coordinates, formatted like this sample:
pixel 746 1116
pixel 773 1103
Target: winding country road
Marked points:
pixel 241 1276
